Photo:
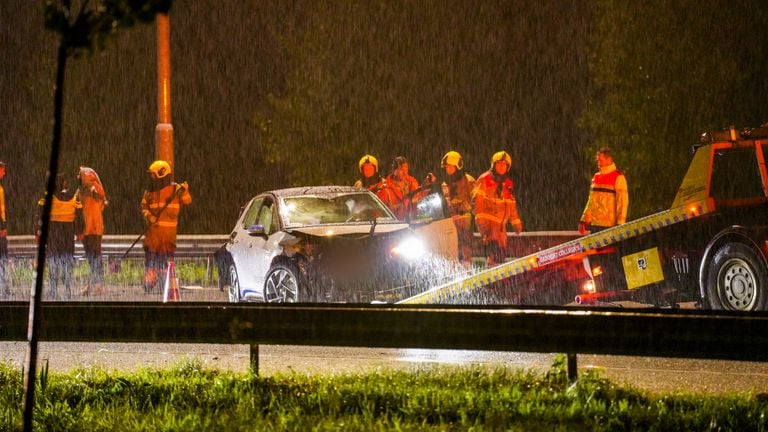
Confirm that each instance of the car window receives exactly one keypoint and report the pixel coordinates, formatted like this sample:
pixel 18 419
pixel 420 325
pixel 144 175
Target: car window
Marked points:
pixel 266 216
pixel 431 207
pixel 333 209
pixel 252 213
pixel 735 175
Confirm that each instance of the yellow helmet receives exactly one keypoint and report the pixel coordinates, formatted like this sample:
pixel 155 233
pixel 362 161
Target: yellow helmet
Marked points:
pixel 160 168
pixel 501 156
pixel 452 158
pixel 368 159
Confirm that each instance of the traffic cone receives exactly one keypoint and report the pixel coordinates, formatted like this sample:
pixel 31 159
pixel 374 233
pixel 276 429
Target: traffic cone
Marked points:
pixel 171 289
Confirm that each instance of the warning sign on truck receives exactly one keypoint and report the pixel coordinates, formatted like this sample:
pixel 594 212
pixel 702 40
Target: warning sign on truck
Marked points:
pixel 556 254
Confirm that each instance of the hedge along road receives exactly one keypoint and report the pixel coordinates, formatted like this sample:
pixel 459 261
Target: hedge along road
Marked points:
pixel 654 374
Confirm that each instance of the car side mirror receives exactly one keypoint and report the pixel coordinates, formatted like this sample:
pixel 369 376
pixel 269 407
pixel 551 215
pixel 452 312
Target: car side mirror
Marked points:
pixel 256 230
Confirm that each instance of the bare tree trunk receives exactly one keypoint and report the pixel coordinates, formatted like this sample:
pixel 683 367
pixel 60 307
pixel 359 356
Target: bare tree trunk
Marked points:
pixel 36 294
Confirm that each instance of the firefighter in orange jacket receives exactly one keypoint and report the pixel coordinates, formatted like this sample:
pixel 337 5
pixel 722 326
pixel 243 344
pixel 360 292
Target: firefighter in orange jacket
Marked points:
pixel 5 288
pixel 369 174
pixel 399 189
pixel 457 189
pixel 94 200
pixel 60 251
pixel 160 206
pixel 608 196
pixel 496 206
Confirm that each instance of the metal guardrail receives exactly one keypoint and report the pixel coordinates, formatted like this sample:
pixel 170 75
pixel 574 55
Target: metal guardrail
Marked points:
pixel 664 333
pixel 196 246
pixel 200 246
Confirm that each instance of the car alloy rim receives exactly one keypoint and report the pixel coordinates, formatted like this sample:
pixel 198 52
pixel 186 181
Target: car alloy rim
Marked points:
pixel 737 285
pixel 281 287
pixel 234 285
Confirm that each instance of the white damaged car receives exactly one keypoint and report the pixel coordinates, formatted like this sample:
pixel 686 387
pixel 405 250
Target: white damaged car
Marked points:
pixel 329 244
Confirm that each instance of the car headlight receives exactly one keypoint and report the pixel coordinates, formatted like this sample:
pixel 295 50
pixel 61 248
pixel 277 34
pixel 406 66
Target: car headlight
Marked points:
pixel 410 248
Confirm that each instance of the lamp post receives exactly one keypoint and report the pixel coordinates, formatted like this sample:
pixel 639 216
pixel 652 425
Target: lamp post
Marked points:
pixel 164 128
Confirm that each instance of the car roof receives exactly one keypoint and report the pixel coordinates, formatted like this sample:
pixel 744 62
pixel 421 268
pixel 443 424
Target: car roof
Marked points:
pixel 314 190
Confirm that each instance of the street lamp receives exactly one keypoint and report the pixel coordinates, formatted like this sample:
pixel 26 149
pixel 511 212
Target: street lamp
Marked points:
pixel 164 128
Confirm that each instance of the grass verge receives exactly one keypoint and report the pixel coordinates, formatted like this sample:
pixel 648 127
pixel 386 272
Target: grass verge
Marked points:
pixel 188 397
pixel 129 272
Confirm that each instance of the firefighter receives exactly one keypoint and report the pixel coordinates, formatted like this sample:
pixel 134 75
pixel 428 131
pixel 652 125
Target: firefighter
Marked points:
pixel 60 251
pixel 457 188
pixel 160 206
pixel 608 196
pixel 93 199
pixel 401 191
pixel 495 206
pixel 5 288
pixel 369 174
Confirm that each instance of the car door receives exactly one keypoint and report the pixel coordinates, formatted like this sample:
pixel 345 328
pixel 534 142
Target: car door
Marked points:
pixel 435 227
pixel 258 246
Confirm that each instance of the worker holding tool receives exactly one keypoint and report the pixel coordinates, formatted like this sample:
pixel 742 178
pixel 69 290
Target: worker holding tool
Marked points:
pixel 160 206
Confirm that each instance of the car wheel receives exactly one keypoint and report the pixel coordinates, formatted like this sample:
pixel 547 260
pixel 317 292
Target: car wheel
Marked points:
pixel 284 284
pixel 737 279
pixel 233 285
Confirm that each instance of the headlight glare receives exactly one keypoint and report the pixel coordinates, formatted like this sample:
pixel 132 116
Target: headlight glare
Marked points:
pixel 410 248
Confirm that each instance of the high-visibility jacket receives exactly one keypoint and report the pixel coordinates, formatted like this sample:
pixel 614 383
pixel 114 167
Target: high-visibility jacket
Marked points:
pixel 63 207
pixel 495 205
pixel 458 193
pixel 3 220
pixel 398 195
pixel 93 198
pixel 608 198
pixel 93 207
pixel 160 210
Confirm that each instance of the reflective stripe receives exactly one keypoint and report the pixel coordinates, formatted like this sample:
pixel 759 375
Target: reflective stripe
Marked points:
pixel 604 189
pixel 160 205
pixel 489 217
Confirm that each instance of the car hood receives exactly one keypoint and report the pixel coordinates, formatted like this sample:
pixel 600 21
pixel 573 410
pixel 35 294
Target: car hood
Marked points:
pixel 325 230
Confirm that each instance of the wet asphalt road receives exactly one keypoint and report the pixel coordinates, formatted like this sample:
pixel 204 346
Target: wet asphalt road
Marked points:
pixel 655 374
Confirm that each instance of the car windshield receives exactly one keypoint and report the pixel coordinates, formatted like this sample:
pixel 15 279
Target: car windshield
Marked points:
pixel 333 209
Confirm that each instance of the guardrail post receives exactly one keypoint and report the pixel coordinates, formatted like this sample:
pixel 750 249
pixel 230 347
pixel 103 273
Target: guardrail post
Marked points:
pixel 254 359
pixel 208 270
pixel 573 371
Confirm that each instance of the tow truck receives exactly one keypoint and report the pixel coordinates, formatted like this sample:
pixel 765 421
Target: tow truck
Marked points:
pixel 709 248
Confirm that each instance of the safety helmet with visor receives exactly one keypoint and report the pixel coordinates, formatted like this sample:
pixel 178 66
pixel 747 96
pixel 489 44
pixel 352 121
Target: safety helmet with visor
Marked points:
pixel 368 159
pixel 159 169
pixel 452 158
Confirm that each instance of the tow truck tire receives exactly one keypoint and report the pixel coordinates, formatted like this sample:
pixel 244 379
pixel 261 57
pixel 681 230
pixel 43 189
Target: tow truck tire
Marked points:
pixel 737 279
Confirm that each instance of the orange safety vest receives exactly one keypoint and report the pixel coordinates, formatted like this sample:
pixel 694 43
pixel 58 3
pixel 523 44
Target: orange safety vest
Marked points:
pixel 608 198
pixel 62 210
